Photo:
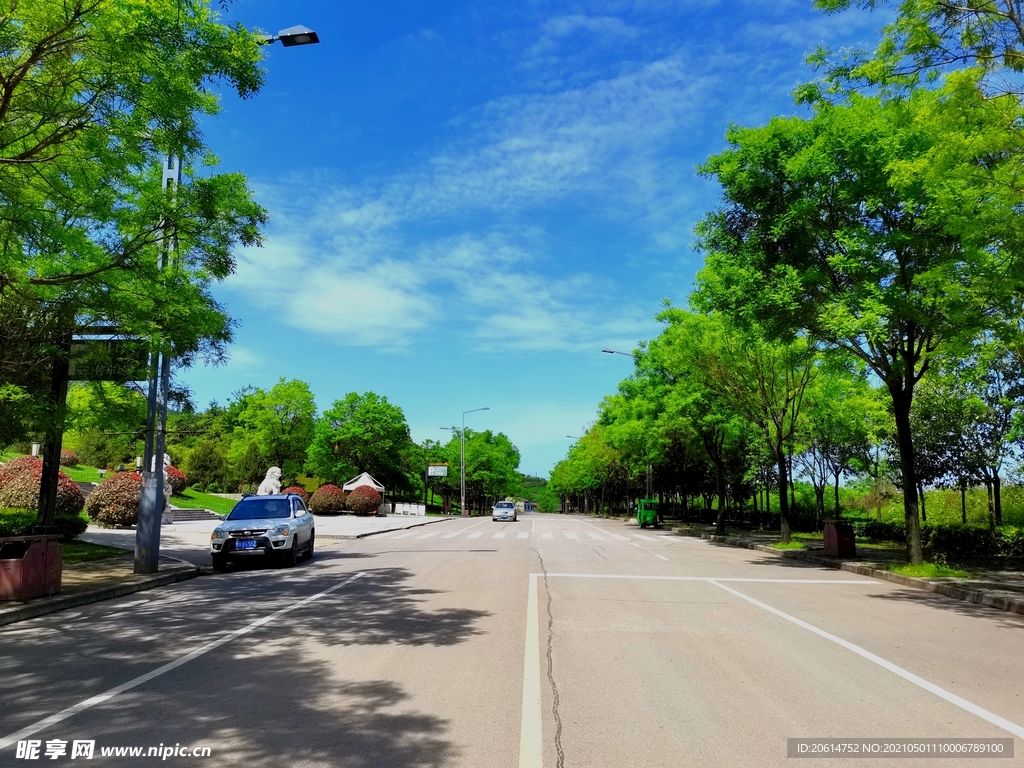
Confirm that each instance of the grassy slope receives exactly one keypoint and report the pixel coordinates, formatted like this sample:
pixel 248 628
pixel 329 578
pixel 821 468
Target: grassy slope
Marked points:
pixel 190 499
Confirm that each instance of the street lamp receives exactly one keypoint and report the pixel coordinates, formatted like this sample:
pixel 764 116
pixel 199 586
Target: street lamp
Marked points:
pixel 151 501
pixel 616 352
pixel 462 461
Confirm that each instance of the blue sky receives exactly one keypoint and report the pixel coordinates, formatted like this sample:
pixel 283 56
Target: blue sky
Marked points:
pixel 469 200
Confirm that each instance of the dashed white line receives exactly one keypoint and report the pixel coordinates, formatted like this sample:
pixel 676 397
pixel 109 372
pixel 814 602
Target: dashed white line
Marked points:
pixel 595 536
pixel 499 535
pixel 645 538
pixel 476 535
pixel 547 535
pixel 620 537
pixel 428 535
pixel 523 535
pixel 570 535
pixel 662 557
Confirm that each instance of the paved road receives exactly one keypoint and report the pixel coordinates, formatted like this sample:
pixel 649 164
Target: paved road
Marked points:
pixel 436 647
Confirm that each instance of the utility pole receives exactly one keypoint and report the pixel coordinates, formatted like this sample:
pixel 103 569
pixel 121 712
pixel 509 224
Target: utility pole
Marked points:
pixel 151 505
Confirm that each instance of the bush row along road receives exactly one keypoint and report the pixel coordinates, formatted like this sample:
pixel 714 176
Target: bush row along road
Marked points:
pixel 436 647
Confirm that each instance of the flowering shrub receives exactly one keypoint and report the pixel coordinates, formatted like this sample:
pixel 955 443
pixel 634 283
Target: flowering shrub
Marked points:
pixel 16 466
pixel 176 479
pixel 69 459
pixel 327 500
pixel 115 501
pixel 298 492
pixel 20 490
pixel 363 500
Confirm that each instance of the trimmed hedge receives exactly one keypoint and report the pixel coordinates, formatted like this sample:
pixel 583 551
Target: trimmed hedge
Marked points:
pixel 176 479
pixel 363 500
pixel 298 491
pixel 328 500
pixel 18 465
pixel 20 522
pixel 953 543
pixel 69 458
pixel 115 501
pixel 20 490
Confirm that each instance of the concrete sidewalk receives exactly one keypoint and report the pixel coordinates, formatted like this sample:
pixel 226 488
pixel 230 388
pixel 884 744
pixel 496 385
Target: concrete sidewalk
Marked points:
pixel 84 583
pixel 1003 590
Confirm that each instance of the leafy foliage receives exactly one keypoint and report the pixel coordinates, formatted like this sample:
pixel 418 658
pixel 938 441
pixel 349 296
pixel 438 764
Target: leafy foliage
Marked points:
pixel 298 491
pixel 115 501
pixel 19 488
pixel 176 479
pixel 327 500
pixel 68 458
pixel 363 500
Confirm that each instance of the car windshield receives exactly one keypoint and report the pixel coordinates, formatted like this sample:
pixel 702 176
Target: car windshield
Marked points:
pixel 505 505
pixel 256 508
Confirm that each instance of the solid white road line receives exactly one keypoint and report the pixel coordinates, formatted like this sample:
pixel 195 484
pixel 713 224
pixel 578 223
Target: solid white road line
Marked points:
pixel 863 582
pixel 46 722
pixel 596 536
pixel 952 698
pixel 662 557
pixel 523 535
pixel 547 535
pixel 499 535
pixel 570 535
pixel 531 751
pixel 476 535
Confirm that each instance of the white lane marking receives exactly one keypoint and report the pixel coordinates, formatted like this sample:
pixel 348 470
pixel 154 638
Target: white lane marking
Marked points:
pixel 64 714
pixel 645 538
pixel 428 535
pixel 476 535
pixel 523 535
pixel 569 535
pixel 453 534
pixel 620 537
pixel 405 535
pixel 952 698
pixel 633 544
pixel 533 525
pixel 547 535
pixel 596 536
pixel 499 535
pixel 863 582
pixel 531 751
pixel 662 557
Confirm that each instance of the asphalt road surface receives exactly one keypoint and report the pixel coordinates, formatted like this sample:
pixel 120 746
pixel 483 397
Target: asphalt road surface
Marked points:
pixel 552 641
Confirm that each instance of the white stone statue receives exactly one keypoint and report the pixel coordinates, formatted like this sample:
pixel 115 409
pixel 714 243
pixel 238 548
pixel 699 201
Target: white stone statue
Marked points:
pixel 167 518
pixel 271 484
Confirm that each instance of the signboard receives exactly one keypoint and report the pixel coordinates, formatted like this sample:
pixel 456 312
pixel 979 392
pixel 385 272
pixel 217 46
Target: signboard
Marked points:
pixel 109 360
pixel 437 470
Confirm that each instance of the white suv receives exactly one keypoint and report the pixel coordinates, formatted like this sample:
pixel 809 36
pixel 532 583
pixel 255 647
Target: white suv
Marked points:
pixel 278 527
pixel 504 510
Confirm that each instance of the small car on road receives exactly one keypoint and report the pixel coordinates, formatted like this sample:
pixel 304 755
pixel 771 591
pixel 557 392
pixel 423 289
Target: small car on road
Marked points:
pixel 504 510
pixel 278 527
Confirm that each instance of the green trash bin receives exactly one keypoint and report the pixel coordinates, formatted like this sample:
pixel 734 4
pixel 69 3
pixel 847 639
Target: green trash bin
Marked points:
pixel 647 513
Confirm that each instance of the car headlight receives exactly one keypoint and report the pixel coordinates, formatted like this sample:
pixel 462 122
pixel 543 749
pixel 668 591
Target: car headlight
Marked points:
pixel 219 533
pixel 281 530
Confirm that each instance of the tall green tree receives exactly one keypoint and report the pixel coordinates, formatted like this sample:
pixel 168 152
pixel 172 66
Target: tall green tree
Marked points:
pixel 362 433
pixel 878 228
pixel 280 421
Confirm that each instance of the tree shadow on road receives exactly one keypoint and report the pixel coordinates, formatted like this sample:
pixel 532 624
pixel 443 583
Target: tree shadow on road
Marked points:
pixel 268 696
pixel 1001 618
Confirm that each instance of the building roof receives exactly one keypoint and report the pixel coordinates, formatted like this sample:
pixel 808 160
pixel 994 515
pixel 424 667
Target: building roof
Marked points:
pixel 364 479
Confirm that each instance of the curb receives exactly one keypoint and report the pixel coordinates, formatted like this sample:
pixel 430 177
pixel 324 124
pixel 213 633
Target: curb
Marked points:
pixel 980 597
pixel 32 610
pixel 320 536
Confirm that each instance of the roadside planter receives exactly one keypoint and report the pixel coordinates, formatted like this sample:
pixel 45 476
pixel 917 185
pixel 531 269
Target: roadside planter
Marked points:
pixel 839 539
pixel 30 566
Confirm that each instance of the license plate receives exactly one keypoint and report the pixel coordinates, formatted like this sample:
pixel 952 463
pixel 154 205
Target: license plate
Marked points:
pixel 245 544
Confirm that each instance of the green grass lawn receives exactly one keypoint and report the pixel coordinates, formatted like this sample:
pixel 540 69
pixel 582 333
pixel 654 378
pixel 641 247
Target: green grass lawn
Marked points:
pixel 190 499
pixel 791 545
pixel 79 473
pixel 84 552
pixel 929 571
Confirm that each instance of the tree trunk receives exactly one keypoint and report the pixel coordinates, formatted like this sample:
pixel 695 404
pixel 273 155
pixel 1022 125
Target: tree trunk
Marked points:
pixel 905 442
pixel 783 492
pixel 720 482
pixel 991 507
pixel 756 522
pixel 837 496
pixel 792 483
pixel 997 493
pixel 963 503
pixel 924 514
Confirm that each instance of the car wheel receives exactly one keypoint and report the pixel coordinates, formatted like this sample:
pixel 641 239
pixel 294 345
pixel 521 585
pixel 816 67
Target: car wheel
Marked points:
pixel 309 550
pixel 291 556
pixel 220 563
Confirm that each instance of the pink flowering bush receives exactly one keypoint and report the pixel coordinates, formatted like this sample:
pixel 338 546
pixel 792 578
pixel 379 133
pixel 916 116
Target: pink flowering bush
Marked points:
pixel 115 501
pixel 327 500
pixel 363 500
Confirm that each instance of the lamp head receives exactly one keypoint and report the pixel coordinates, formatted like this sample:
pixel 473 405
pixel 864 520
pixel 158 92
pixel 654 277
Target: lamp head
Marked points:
pixel 298 35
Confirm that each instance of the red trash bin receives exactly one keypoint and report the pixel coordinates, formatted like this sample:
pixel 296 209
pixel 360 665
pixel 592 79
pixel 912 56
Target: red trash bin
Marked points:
pixel 839 539
pixel 30 566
